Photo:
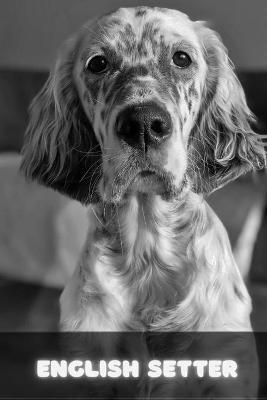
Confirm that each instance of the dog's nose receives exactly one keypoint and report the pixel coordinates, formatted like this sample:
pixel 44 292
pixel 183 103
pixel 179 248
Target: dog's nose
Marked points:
pixel 144 125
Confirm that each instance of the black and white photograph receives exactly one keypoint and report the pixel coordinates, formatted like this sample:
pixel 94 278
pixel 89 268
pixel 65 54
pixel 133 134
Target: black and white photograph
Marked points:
pixel 133 199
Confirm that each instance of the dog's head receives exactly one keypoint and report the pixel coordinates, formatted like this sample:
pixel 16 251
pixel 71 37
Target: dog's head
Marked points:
pixel 140 100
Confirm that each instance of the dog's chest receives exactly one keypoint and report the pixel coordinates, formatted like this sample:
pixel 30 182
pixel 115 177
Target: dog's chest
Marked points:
pixel 141 285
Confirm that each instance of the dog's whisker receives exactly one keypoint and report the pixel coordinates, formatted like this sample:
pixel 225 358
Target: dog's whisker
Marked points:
pixel 96 164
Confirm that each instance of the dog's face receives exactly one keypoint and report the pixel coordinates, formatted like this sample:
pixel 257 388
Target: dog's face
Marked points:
pixel 141 100
pixel 140 75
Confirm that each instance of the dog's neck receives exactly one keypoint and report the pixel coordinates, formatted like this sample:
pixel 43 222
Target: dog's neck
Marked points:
pixel 145 223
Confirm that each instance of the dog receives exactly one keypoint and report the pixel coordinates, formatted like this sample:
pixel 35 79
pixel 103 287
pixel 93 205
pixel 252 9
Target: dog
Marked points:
pixel 141 118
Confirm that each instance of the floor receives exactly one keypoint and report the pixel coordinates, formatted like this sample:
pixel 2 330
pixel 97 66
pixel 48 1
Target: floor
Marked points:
pixel 27 307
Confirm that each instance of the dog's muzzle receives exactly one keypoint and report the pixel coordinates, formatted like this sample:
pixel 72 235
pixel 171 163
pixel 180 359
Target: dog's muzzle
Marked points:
pixel 144 125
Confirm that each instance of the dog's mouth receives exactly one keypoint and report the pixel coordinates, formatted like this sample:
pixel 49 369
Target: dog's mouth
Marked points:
pixel 147 181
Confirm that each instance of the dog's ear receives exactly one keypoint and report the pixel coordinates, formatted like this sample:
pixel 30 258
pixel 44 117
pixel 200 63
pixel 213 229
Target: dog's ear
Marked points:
pixel 222 144
pixel 60 148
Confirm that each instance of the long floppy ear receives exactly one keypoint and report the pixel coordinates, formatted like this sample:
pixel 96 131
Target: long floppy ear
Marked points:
pixel 60 148
pixel 223 144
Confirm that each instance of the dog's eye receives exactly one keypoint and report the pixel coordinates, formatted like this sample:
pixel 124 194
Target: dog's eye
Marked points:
pixel 181 59
pixel 96 65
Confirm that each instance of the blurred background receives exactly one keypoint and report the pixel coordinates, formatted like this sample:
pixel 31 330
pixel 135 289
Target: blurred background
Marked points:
pixel 41 232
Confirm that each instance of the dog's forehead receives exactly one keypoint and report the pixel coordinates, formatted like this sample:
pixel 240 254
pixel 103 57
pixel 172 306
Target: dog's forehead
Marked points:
pixel 164 18
pixel 139 22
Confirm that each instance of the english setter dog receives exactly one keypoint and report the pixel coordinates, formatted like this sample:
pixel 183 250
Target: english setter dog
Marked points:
pixel 140 119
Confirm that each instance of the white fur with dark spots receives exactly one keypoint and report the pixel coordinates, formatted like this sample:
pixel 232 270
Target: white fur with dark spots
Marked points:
pixel 156 256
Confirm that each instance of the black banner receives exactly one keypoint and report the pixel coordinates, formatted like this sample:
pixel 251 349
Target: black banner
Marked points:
pixel 133 365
